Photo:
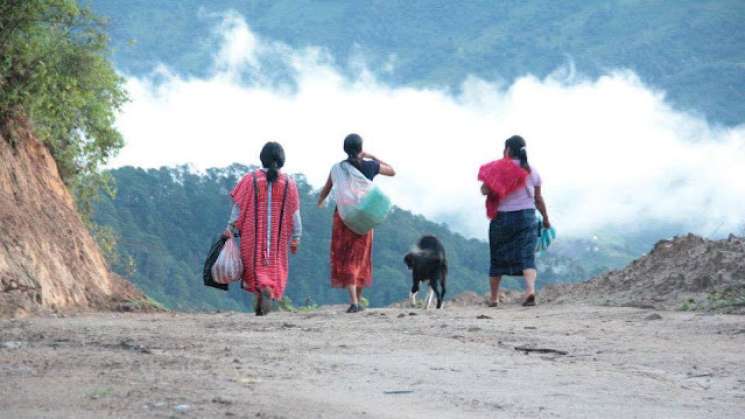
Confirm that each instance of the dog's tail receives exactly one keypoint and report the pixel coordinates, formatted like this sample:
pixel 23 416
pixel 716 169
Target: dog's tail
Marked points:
pixel 433 250
pixel 426 256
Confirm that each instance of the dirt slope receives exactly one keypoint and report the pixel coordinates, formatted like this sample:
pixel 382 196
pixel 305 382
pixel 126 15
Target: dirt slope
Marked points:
pixel 48 260
pixel 460 362
pixel 687 272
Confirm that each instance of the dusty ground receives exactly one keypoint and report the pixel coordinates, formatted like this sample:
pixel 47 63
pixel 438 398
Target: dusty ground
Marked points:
pixel 378 364
pixel 684 273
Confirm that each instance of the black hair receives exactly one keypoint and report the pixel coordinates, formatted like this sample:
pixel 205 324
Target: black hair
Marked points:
pixel 516 148
pixel 272 158
pixel 353 148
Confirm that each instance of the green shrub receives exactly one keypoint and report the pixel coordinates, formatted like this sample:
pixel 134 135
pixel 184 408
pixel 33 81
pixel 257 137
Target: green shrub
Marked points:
pixel 55 74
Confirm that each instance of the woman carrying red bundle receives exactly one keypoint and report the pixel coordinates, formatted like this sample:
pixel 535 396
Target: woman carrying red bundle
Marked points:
pixel 513 192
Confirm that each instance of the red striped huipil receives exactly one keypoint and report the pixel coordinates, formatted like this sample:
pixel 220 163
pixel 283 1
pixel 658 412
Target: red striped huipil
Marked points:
pixel 262 267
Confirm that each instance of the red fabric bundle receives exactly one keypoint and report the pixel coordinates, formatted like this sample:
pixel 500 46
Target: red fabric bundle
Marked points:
pixel 502 177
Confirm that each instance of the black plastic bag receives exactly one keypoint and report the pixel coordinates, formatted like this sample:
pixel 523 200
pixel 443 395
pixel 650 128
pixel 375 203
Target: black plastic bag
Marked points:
pixel 211 258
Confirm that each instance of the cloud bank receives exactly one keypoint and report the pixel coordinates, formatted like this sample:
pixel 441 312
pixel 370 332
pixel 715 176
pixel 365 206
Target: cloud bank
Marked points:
pixel 611 151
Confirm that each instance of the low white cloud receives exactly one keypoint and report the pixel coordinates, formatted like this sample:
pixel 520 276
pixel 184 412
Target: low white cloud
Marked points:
pixel 611 150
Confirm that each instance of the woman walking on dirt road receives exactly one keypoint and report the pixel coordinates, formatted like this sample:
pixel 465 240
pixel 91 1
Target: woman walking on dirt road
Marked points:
pixel 351 253
pixel 266 214
pixel 513 193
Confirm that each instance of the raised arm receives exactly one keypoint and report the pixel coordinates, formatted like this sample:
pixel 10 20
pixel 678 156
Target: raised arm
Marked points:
pixel 297 221
pixel 325 192
pixel 540 204
pixel 385 168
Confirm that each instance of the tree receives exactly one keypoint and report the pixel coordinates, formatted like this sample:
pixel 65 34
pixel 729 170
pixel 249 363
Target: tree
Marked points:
pixel 55 74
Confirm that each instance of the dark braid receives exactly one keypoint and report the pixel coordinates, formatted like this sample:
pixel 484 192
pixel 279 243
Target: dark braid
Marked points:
pixel 516 148
pixel 272 158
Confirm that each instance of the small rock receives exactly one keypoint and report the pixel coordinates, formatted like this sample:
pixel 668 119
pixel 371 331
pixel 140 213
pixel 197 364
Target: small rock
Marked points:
pixel 401 315
pixel 530 327
pixel 12 344
pixel 412 314
pixel 131 346
pixel 220 400
pixel 474 329
pixel 182 408
pixel 653 316
pixel 483 317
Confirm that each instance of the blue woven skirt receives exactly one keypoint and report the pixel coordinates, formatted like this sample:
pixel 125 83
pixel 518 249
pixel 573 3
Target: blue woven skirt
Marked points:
pixel 512 240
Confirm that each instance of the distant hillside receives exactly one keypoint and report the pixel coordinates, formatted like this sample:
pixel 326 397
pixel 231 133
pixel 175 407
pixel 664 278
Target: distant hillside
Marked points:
pixel 167 218
pixel 693 49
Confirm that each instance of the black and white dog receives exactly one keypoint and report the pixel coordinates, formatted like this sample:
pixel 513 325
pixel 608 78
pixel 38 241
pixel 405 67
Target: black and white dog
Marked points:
pixel 427 262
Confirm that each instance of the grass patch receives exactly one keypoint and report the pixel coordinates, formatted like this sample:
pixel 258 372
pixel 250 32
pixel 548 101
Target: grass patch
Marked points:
pixel 285 304
pixel 100 393
pixel 146 304
pixel 726 300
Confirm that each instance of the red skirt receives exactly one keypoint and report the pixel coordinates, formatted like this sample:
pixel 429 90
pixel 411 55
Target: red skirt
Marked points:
pixel 351 256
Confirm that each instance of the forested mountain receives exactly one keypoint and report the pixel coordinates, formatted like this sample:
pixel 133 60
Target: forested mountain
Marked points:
pixel 166 220
pixel 692 49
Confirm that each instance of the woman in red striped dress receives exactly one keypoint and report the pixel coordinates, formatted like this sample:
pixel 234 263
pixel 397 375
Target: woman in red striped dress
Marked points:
pixel 351 253
pixel 266 214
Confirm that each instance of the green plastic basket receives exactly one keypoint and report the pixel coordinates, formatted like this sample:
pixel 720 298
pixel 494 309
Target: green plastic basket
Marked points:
pixel 371 211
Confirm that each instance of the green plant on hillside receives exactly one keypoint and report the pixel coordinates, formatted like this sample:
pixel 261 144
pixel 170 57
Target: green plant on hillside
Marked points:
pixel 107 239
pixel 726 300
pixel 55 74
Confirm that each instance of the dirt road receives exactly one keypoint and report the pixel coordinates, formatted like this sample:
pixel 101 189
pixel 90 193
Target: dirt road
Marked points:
pixel 386 363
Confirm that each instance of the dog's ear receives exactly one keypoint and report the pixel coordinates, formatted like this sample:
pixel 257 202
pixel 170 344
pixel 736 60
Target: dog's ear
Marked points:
pixel 409 260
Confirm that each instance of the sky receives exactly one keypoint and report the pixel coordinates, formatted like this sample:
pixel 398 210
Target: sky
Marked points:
pixel 612 152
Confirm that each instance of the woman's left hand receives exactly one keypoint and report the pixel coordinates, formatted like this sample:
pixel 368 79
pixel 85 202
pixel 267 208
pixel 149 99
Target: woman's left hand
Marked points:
pixel 294 245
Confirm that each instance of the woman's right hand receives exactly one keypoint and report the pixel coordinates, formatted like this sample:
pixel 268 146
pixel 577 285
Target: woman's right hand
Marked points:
pixel 227 233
